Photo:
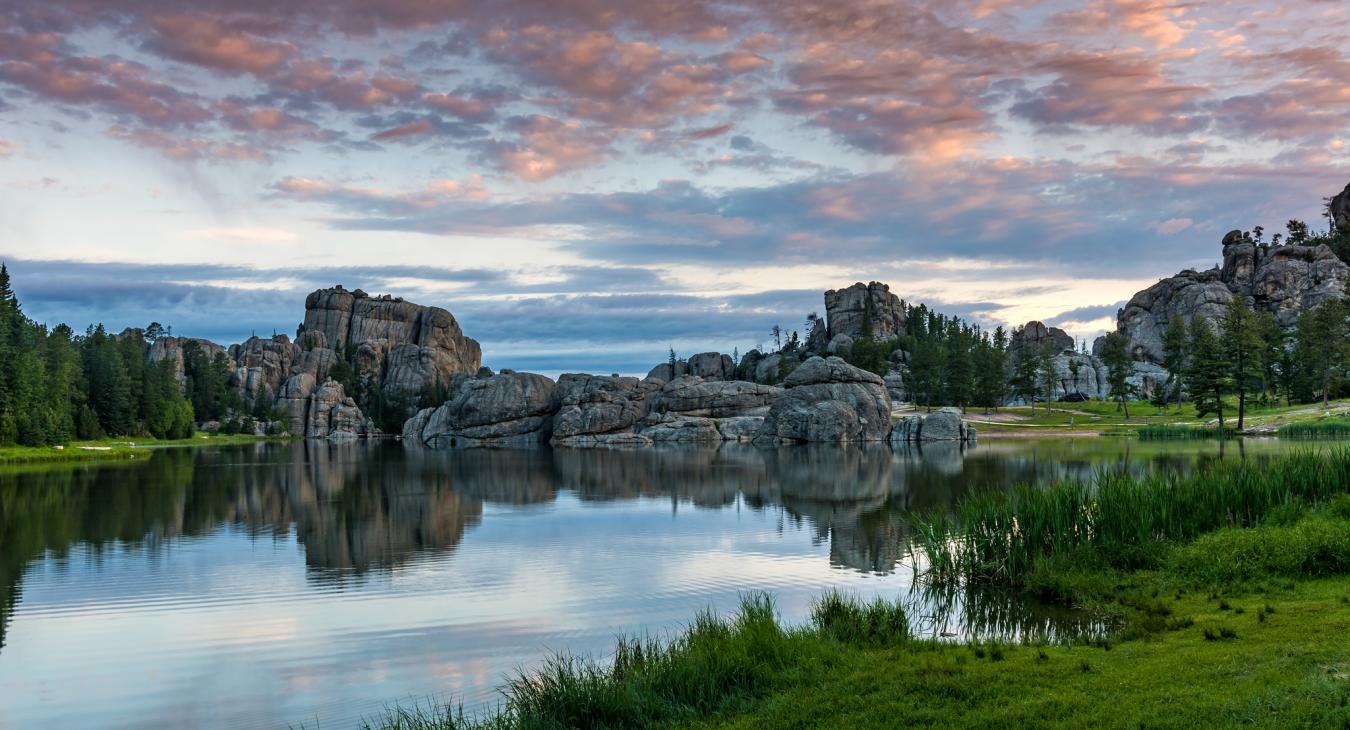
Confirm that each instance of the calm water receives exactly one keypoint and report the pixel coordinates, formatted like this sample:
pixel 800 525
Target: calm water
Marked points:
pixel 275 585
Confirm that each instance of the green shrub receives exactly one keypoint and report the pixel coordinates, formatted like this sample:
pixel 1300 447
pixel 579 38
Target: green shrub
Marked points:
pixel 844 618
pixel 1314 547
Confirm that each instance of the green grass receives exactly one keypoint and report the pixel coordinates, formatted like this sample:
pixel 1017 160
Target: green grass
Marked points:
pixel 1000 537
pixel 715 664
pixel 112 449
pixel 1327 428
pixel 1183 433
pixel 1107 417
pixel 1226 598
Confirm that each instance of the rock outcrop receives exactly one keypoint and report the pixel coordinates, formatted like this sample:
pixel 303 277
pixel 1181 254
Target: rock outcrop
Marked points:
pixel 692 396
pixel 409 347
pixel 942 425
pixel 594 410
pixel 169 347
pixel 705 365
pixel 506 409
pixel 848 310
pixel 1283 280
pixel 1339 208
pixel 828 400
pixel 334 415
pixel 1032 336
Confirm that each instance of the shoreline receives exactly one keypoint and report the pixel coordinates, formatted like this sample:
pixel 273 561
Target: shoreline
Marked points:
pixel 1214 623
pixel 111 450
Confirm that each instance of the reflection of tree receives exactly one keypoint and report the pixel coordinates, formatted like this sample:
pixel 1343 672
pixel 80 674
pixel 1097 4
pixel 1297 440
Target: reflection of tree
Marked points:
pixel 365 507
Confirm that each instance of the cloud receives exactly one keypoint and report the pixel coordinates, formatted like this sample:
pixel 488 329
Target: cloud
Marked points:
pixel 7 148
pixel 1173 225
pixel 208 41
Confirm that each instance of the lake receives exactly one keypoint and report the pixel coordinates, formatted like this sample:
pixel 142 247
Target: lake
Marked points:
pixel 317 584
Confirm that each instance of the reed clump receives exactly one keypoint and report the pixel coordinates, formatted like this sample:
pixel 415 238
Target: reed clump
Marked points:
pixel 1184 433
pixel 1000 537
pixel 714 662
pixel 1326 428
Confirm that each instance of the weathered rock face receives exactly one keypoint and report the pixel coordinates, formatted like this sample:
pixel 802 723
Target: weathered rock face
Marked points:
pixel 262 365
pixel 1033 335
pixel 943 425
pixel 1339 207
pixel 1284 280
pixel 846 309
pixel 409 346
pixel 828 400
pixel 168 347
pixel 507 409
pixel 693 396
pixel 712 366
pixel 333 415
pixel 600 409
pixel 673 428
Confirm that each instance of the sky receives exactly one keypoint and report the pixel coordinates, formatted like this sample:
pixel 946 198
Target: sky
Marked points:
pixel 587 183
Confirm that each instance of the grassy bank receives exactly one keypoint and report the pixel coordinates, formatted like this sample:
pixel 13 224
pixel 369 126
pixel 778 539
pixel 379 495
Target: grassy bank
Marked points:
pixel 1225 596
pixel 112 449
pixel 1103 417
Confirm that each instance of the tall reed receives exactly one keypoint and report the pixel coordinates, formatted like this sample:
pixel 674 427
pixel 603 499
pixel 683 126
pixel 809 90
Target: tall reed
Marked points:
pixel 1183 433
pixel 998 537
pixel 713 662
pixel 1327 428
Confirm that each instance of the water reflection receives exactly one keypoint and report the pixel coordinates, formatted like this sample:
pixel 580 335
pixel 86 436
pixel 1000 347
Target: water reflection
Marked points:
pixel 580 530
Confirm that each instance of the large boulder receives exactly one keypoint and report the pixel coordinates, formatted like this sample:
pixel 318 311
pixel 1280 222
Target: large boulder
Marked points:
pixel 852 310
pixel 692 396
pixel 601 409
pixel 712 366
pixel 673 428
pixel 828 400
pixel 942 425
pixel 507 409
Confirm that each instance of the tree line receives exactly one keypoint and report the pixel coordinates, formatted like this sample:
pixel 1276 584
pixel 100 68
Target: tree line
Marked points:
pixel 1244 357
pixel 1247 356
pixel 56 386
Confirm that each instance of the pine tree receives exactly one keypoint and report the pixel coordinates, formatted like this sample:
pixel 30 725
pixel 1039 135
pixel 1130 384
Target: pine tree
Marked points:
pixel 1208 374
pixel 1174 354
pixel 1116 357
pixel 1322 347
pixel 1023 379
pixel 1244 350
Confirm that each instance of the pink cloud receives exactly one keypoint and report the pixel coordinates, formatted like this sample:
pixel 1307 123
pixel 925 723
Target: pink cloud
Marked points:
pixel 206 41
pixel 7 148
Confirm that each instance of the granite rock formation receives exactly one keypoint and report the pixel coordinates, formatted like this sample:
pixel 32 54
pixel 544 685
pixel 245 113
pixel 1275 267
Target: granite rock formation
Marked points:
pixel 692 396
pixel 847 309
pixel 942 425
pixel 506 409
pixel 1339 208
pixel 1284 280
pixel 828 400
pixel 1032 336
pixel 409 347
